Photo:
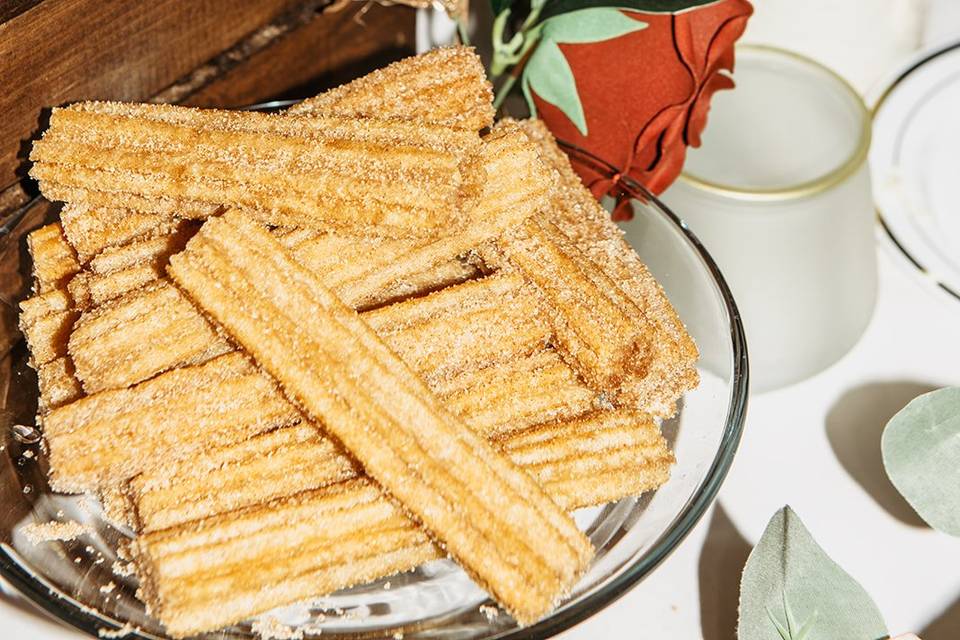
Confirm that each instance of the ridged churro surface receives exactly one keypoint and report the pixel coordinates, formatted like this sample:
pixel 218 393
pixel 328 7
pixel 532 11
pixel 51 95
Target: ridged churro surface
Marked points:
pixel 47 318
pixel 112 435
pixel 54 261
pixel 383 174
pixel 444 86
pixel 603 456
pixel 332 363
pixel 598 328
pixel 289 460
pixel 671 367
pixel 90 230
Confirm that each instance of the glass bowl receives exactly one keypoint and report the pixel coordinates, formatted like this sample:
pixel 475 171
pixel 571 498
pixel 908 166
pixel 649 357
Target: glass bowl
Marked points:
pixel 82 582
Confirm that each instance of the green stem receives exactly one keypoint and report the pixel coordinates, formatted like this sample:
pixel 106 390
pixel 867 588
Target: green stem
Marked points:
pixel 504 91
pixel 462 32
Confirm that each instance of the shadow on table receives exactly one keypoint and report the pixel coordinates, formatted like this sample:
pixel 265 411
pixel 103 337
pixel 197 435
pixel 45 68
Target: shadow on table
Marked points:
pixel 724 553
pixel 854 426
pixel 946 626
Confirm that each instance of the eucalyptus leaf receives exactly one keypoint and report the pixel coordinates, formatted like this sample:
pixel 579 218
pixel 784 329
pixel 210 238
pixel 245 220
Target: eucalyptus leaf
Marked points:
pixel 590 25
pixel 558 7
pixel 921 452
pixel 549 74
pixel 791 590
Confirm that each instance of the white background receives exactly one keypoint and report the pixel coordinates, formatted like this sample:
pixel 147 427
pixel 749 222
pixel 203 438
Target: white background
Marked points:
pixel 816 445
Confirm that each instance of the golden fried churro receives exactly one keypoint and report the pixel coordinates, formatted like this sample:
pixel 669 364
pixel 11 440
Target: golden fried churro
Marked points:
pixel 506 397
pixel 121 269
pixel 46 321
pixel 334 365
pixel 154 247
pixel 54 261
pixel 455 93
pixel 201 573
pixel 318 172
pixel 146 332
pixel 90 290
pixel 475 324
pixel 163 330
pixel 515 185
pixel 671 368
pixel 444 86
pixel 47 318
pixel 91 230
pixel 599 458
pixel 491 400
pixel 58 384
pixel 291 460
pixel 598 328
pixel 347 261
pixel 112 435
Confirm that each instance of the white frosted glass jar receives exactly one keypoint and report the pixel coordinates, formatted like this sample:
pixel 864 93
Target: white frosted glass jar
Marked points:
pixel 779 194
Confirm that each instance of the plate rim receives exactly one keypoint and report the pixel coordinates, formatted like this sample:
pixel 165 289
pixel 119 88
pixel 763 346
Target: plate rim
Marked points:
pixel 875 100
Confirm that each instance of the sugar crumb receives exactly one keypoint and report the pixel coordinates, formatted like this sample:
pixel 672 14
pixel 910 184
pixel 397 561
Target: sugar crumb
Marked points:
pixel 269 628
pixel 489 612
pixel 122 632
pixel 54 531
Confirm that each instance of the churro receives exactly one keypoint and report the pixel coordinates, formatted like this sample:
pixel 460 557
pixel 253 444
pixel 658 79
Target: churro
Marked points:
pixel 141 334
pixel 46 321
pixel 115 434
pixel 334 366
pixel 163 330
pixel 54 261
pixel 445 86
pixel 204 574
pixel 90 290
pixel 455 93
pixel 58 384
pixel 322 171
pixel 288 460
pixel 47 318
pixel 121 269
pixel 670 368
pixel 91 230
pixel 599 329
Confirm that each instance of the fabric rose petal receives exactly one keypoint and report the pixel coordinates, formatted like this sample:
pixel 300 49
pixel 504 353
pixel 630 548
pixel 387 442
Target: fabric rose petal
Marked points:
pixel 646 95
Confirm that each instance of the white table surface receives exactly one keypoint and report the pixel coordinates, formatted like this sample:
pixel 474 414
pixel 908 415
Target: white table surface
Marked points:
pixel 815 445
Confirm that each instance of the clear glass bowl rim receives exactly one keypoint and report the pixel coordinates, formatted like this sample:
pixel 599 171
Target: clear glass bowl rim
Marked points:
pixel 75 614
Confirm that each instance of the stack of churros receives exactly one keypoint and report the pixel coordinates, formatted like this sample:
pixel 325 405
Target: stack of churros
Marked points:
pixel 302 351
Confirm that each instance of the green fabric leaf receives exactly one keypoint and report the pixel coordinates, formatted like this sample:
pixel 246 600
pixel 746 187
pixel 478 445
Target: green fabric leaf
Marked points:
pixel 549 74
pixel 499 5
pixel 791 590
pixel 921 452
pixel 590 25
pixel 558 7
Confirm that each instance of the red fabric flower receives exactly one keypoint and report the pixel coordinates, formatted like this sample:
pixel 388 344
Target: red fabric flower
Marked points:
pixel 646 95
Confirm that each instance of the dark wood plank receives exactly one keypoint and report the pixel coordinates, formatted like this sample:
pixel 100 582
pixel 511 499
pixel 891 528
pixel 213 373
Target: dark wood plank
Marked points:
pixel 64 50
pixel 12 8
pixel 327 49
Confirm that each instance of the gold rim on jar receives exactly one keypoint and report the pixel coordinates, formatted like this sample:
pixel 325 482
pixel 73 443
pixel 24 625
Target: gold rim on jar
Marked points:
pixel 809 188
